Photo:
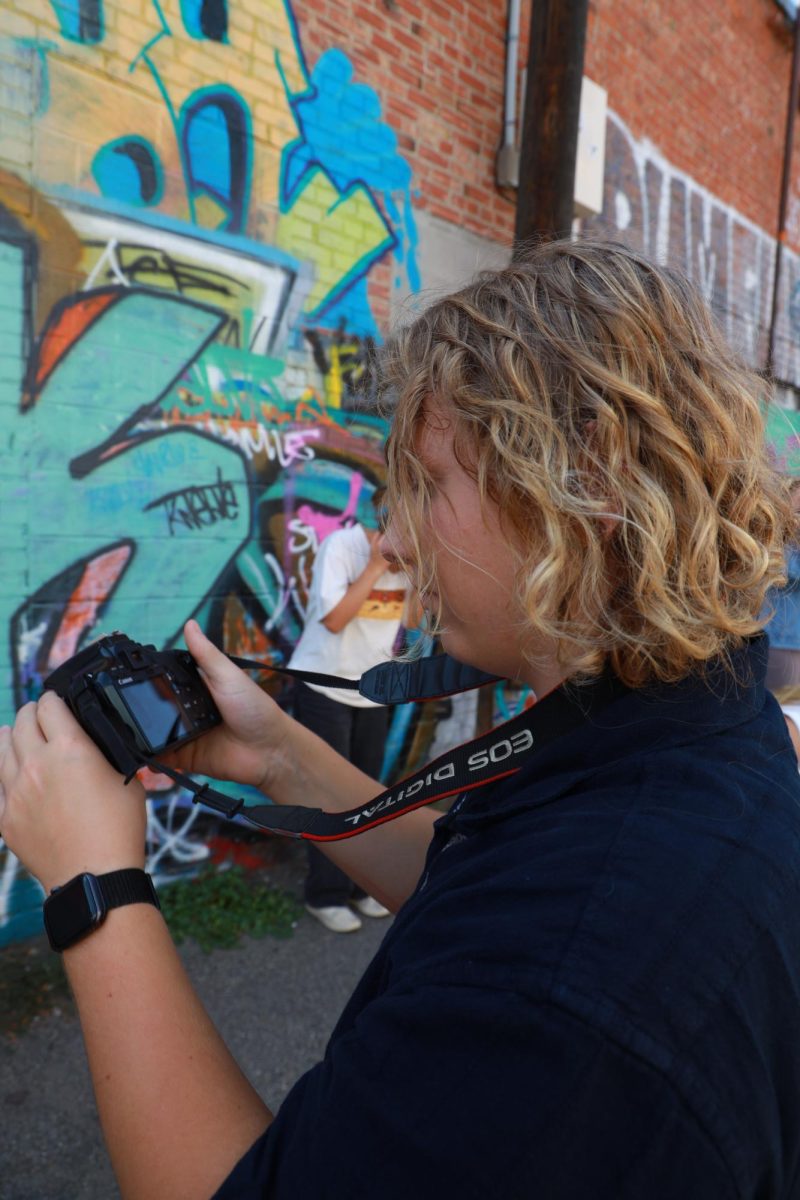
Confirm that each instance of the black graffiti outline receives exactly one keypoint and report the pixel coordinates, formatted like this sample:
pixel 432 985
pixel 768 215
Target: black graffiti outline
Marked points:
pixel 205 504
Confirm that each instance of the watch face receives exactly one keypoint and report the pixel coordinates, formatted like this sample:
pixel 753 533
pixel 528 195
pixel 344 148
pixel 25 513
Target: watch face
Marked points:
pixel 73 910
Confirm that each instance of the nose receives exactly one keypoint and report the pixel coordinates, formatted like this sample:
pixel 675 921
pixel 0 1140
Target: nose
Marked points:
pixel 391 546
pixel 387 548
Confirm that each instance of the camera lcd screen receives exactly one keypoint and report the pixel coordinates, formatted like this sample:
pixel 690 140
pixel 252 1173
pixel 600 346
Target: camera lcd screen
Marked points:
pixel 156 711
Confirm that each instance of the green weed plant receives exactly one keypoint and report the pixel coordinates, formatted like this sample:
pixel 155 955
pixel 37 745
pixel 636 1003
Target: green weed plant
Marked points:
pixel 216 908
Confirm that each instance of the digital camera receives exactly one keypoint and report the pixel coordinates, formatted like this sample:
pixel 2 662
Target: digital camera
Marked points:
pixel 134 701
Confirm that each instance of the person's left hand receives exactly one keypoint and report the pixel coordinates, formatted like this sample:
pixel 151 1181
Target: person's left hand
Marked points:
pixel 63 808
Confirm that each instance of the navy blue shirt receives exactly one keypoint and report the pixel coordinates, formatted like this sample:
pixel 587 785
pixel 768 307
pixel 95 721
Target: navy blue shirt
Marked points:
pixel 594 991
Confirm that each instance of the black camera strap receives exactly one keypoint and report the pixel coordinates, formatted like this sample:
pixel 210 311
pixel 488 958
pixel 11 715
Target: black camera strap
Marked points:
pixel 430 678
pixel 494 756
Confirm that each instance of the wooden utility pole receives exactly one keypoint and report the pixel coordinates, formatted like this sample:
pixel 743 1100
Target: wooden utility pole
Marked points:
pixel 550 121
pixel 786 183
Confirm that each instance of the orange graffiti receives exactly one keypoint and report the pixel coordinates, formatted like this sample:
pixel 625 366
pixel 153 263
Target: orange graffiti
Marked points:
pixel 99 577
pixel 64 331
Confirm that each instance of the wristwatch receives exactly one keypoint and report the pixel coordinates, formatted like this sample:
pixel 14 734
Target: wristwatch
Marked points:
pixel 75 909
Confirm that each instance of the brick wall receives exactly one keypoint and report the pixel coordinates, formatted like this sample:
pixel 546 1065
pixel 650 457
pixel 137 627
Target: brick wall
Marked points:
pixel 697 100
pixel 440 66
pixel 707 84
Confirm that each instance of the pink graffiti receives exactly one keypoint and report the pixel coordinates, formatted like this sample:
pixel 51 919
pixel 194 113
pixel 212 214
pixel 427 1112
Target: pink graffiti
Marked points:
pixel 323 523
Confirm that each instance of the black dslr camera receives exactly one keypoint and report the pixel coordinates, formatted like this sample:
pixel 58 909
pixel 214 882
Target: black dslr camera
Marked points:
pixel 135 701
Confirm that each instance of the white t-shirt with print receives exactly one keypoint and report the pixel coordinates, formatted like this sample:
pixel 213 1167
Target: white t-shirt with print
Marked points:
pixel 366 640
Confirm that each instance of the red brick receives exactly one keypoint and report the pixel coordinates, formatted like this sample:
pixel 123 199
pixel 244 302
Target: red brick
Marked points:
pixel 707 85
pixel 373 16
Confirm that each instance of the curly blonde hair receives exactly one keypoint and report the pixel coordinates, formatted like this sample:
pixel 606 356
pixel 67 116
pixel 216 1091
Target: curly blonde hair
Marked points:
pixel 597 404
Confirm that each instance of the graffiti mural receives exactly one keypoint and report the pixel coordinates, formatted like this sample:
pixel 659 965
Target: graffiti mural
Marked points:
pixel 184 325
pixel 651 205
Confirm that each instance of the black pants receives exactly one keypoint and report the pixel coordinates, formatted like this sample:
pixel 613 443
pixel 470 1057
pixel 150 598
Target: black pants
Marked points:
pixel 359 735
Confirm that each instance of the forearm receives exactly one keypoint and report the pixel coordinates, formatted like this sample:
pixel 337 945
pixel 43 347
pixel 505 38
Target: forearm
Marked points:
pixel 176 1111
pixel 386 861
pixel 350 604
pixel 261 745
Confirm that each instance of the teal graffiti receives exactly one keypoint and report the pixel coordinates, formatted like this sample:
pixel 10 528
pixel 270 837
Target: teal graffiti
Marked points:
pixel 94 477
pixel 13 324
pixel 206 19
pixel 91 473
pixel 130 170
pixel 80 20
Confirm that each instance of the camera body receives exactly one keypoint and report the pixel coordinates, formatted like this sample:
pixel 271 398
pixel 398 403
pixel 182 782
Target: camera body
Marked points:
pixel 134 701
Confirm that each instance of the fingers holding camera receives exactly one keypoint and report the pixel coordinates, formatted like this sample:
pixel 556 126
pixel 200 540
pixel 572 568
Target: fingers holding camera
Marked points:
pixel 65 808
pixel 220 673
pixel 9 760
pixel 237 696
pixel 242 747
pixel 14 741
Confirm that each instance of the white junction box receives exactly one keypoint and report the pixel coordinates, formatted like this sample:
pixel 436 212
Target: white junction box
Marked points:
pixel 591 154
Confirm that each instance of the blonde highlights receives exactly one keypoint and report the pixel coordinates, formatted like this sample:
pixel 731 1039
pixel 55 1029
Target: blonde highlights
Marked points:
pixel 597 404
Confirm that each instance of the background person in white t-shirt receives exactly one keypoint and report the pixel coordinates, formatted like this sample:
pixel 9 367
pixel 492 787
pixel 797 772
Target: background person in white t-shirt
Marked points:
pixel 356 604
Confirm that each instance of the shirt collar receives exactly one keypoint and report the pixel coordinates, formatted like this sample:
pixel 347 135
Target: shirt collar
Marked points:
pixel 616 723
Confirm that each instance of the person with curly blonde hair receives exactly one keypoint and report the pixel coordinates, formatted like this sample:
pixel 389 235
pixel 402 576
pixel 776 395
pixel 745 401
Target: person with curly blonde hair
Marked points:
pixel 591 988
pixel 599 410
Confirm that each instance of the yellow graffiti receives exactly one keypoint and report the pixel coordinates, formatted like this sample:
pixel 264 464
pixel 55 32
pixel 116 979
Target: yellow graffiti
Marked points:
pixel 133 85
pixel 136 94
pixel 338 234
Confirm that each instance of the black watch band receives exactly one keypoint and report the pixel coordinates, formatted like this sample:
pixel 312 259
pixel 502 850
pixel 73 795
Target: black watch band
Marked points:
pixel 130 886
pixel 80 906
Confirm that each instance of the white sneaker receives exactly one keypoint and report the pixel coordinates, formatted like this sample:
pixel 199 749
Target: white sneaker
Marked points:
pixel 338 918
pixel 368 906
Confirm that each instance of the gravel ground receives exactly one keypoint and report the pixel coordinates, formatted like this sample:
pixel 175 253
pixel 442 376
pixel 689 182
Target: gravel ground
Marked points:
pixel 274 1001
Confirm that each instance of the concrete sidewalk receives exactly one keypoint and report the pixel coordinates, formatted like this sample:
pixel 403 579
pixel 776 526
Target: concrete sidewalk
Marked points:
pixel 274 1001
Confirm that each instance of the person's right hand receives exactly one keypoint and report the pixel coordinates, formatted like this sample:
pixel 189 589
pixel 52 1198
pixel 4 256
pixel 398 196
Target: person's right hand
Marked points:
pixel 63 808
pixel 254 728
pixel 376 560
